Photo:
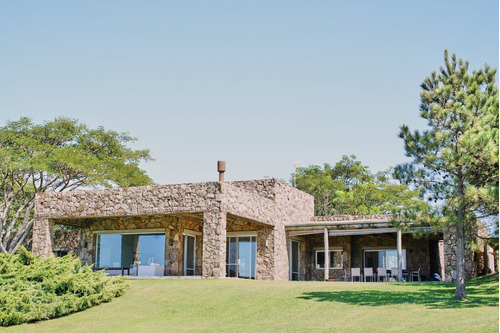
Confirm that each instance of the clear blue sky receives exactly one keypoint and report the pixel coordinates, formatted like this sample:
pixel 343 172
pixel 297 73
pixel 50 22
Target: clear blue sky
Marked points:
pixel 260 84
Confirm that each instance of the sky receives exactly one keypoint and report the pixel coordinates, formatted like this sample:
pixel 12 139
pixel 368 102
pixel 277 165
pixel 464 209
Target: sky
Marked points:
pixel 259 84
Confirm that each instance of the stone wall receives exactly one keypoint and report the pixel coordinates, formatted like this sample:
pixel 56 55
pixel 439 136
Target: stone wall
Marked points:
pixel 316 242
pixel 67 241
pixel 273 207
pixel 417 250
pixel 269 203
pixel 471 257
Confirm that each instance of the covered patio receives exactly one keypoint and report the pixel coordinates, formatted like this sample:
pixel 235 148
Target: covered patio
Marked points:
pixel 367 243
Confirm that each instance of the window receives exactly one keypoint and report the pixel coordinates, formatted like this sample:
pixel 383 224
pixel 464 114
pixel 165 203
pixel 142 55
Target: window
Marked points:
pixel 60 253
pixel 336 259
pixel 386 258
pixel 129 250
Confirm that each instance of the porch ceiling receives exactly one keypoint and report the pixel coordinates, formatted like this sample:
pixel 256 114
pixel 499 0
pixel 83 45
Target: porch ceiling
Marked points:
pixel 352 232
pixel 231 218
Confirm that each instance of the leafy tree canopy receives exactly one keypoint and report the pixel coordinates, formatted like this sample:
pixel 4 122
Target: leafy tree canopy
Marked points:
pixel 59 155
pixel 348 187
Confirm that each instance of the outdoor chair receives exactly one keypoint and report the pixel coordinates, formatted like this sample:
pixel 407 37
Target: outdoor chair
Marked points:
pixel 347 276
pixel 368 273
pixel 415 274
pixel 406 275
pixel 381 273
pixel 356 273
pixel 395 273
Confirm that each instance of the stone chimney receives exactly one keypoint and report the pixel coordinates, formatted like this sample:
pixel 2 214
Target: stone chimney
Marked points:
pixel 221 167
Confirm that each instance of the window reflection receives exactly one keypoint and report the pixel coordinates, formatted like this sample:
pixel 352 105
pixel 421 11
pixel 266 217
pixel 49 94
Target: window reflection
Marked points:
pixel 124 250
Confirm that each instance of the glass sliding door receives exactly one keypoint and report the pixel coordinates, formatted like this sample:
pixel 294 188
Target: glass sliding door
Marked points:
pixel 386 258
pixel 131 250
pixel 294 260
pixel 241 253
pixel 189 259
pixel 232 257
pixel 109 251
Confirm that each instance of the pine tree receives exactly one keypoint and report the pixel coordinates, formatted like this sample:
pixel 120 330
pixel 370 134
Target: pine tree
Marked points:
pixel 455 160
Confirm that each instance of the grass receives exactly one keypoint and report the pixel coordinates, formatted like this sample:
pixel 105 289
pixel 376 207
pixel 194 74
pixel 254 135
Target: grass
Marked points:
pixel 231 305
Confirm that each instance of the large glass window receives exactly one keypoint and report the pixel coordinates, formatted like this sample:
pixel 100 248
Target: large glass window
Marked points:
pixel 241 255
pixel 387 258
pixel 129 250
pixel 336 259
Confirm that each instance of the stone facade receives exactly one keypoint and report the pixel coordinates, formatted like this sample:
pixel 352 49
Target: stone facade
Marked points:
pixel 474 256
pixel 66 241
pixel 216 207
pixel 267 208
pixel 417 253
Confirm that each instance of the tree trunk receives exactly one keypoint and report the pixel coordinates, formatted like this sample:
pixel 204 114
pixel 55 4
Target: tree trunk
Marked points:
pixel 460 256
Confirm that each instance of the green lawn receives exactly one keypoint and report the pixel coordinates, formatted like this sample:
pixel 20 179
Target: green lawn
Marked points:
pixel 230 305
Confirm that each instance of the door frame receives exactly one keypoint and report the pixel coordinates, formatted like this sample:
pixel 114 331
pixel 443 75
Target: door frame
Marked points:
pixel 290 258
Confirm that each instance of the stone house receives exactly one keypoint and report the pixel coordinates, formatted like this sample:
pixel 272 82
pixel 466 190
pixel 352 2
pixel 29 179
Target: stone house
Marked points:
pixel 258 229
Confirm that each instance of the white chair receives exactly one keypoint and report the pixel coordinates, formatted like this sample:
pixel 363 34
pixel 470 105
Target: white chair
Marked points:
pixel 356 273
pixel 395 273
pixel 347 276
pixel 368 272
pixel 415 274
pixel 382 273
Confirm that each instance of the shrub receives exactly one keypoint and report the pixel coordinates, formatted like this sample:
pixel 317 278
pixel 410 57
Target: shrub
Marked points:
pixel 34 288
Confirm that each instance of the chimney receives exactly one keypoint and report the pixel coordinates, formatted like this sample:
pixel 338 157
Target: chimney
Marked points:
pixel 221 167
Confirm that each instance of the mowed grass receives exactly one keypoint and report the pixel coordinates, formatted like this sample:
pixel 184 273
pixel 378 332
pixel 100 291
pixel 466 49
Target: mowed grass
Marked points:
pixel 231 305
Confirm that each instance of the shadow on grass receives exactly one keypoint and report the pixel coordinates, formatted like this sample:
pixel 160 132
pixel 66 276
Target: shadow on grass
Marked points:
pixel 481 292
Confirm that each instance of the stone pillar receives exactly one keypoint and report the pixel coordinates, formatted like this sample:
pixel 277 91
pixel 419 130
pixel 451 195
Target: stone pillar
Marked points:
pixel 399 244
pixel 42 237
pixel 265 254
pixel 214 244
pixel 327 254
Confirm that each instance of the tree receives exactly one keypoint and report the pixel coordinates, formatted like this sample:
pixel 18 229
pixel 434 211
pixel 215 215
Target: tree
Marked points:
pixel 60 155
pixel 455 160
pixel 349 188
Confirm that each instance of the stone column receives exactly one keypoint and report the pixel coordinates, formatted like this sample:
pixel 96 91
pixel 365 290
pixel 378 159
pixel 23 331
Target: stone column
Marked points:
pixel 42 237
pixel 265 255
pixel 399 244
pixel 214 244
pixel 281 266
pixel 327 254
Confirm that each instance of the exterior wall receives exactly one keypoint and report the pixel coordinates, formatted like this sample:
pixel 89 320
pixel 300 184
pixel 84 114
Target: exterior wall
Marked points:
pixel 417 250
pixel 474 258
pixel 67 240
pixel 315 242
pixel 273 204
pixel 268 203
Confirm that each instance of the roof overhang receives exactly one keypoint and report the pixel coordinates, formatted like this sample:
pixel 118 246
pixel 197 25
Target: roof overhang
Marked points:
pixel 355 231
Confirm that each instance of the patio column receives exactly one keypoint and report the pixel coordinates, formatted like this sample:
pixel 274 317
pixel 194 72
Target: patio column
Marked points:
pixel 214 244
pixel 327 254
pixel 400 254
pixel 42 237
